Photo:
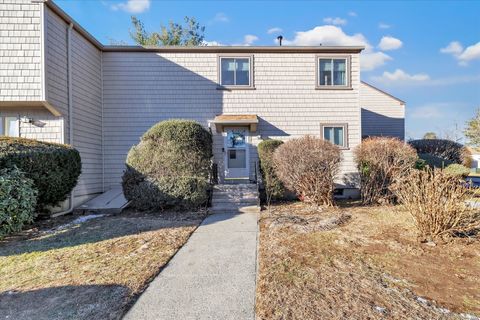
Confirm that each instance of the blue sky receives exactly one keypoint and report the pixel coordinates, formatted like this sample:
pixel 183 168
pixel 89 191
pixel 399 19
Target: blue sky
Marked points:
pixel 426 53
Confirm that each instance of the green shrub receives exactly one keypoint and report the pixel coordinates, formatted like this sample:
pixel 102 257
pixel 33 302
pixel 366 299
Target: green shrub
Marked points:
pixel 54 168
pixel 169 167
pixel 273 186
pixel 443 149
pixel 434 161
pixel 380 161
pixel 17 200
pixel 458 170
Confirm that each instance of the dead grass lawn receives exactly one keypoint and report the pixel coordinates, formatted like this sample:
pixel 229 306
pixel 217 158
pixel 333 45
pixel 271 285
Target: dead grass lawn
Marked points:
pixel 369 266
pixel 93 270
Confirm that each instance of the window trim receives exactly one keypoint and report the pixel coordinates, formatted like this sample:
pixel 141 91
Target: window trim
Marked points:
pixel 348 72
pixel 336 125
pixel 250 86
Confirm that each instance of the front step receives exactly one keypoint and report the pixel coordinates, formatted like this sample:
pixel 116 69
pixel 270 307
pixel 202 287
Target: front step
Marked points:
pixel 238 198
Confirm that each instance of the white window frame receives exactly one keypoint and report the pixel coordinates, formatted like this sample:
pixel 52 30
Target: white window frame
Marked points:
pixel 344 126
pixel 348 75
pixel 4 127
pixel 250 74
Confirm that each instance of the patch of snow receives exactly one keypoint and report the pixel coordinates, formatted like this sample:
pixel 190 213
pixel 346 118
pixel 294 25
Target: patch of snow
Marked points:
pixel 469 316
pixel 77 221
pixel 380 309
pixel 422 300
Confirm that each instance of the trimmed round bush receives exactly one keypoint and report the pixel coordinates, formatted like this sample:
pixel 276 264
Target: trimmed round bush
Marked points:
pixel 380 161
pixel 308 166
pixel 54 168
pixel 18 199
pixel 170 167
pixel 273 186
pixel 444 149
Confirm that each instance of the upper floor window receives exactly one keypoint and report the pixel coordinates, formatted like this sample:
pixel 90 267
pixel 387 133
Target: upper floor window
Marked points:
pixel 235 71
pixel 333 72
pixel 336 134
pixel 9 126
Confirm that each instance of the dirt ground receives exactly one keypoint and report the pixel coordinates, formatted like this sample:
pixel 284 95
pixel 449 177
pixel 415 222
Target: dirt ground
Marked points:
pixel 356 262
pixel 93 270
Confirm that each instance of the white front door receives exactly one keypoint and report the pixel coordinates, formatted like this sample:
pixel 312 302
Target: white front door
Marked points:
pixel 236 153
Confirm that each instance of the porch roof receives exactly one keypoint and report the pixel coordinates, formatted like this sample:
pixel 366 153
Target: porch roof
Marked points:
pixel 20 105
pixel 223 120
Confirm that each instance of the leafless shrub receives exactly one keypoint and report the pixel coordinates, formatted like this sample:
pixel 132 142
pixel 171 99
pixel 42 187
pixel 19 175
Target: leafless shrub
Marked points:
pixel 438 203
pixel 379 161
pixel 308 166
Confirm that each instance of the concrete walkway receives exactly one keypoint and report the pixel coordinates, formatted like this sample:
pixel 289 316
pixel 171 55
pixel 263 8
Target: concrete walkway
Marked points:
pixel 211 277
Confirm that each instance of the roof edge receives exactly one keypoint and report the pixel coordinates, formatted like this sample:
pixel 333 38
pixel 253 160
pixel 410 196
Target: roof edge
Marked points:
pixel 239 49
pixel 68 19
pixel 384 92
pixel 199 49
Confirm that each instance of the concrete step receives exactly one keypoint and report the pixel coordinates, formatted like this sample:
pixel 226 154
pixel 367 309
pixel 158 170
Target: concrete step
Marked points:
pixel 231 195
pixel 235 209
pixel 230 187
pixel 233 198
pixel 237 202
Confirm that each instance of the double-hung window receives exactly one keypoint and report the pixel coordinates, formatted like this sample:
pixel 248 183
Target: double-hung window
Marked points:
pixel 333 72
pixel 336 134
pixel 235 72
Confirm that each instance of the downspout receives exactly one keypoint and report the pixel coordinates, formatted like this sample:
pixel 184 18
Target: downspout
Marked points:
pixel 70 110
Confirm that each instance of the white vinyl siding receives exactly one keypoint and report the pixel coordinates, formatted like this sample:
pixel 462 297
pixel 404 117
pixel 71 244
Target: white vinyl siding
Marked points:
pixel 382 115
pixel 86 97
pixel 142 88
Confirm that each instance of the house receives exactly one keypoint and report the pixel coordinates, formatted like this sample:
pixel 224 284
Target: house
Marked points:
pixel 59 84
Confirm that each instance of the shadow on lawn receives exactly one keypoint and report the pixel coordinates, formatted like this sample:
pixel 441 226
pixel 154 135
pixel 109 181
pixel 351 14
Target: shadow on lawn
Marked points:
pixel 95 230
pixel 65 302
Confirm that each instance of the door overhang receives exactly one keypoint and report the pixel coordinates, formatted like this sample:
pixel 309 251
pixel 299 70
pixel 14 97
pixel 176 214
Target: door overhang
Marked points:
pixel 236 120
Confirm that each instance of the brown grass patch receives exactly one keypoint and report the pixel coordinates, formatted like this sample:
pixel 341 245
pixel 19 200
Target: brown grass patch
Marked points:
pixel 89 271
pixel 369 267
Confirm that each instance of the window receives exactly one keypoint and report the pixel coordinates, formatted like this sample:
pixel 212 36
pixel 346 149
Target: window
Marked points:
pixel 336 134
pixel 9 127
pixel 235 72
pixel 333 72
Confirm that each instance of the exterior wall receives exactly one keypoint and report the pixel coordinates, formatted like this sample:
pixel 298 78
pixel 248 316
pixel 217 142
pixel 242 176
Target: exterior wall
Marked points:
pixel 56 64
pixel 87 113
pixel 143 88
pixel 382 115
pixel 20 51
pixel 86 97
pixel 51 132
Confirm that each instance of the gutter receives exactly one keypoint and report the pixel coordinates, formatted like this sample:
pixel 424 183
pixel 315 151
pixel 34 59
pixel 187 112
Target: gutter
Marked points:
pixel 70 110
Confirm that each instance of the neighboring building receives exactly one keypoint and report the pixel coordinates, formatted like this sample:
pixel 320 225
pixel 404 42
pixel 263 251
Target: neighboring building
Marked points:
pixel 103 98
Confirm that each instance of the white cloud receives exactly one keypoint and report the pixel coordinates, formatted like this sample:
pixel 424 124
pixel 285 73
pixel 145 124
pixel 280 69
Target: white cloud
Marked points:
pixel 220 17
pixel 390 43
pixel 249 39
pixel 212 43
pixel 336 21
pixel 372 60
pixel 274 30
pixel 382 25
pixel 401 76
pixel 430 111
pixel 464 56
pixel 132 6
pixel 453 47
pixel 334 36
pixel 352 14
